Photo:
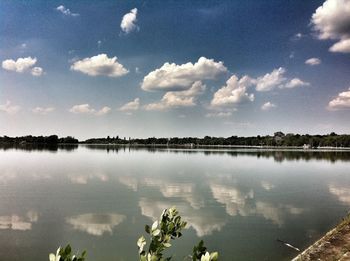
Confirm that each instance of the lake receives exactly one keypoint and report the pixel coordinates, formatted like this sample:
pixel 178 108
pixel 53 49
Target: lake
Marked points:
pixel 99 198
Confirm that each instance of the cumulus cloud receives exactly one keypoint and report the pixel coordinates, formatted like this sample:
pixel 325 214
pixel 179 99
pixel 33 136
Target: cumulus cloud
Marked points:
pixel 37 71
pixel 277 79
pixel 295 82
pixel 268 106
pixel 342 46
pixel 332 21
pixel 131 106
pixel 128 23
pixel 66 11
pixel 173 77
pixel 9 108
pixel 42 110
pixel 342 101
pixel 313 61
pixel 22 65
pixel 86 109
pixel 175 99
pixel 104 110
pixel 234 92
pixel 100 65
pixel 271 80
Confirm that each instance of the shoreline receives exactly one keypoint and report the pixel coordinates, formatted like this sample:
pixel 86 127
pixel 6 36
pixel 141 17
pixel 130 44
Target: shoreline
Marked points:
pixel 187 146
pixel 334 245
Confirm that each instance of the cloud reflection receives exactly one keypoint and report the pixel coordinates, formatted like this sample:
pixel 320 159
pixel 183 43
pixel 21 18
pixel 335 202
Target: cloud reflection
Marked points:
pixel 204 221
pixel 21 223
pixel 96 224
pixel 342 193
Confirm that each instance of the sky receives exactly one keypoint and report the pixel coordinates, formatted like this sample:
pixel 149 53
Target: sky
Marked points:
pixel 174 68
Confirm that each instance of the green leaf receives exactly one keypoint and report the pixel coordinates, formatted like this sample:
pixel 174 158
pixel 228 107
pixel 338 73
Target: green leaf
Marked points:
pixel 214 256
pixel 155 225
pixel 156 232
pixel 68 250
pixel 167 244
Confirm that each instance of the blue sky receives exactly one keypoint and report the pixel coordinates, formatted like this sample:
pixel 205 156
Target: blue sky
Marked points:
pixel 174 68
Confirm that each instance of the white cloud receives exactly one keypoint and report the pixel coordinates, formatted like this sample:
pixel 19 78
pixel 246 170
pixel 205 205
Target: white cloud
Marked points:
pixel 9 108
pixel 37 71
pixel 82 108
pixel 268 106
pixel 271 80
pixel 298 35
pixel 332 21
pixel 86 109
pixel 42 110
pixel 342 46
pixel 220 114
pixel 20 65
pixel 128 23
pixel 66 11
pixel 342 101
pixel 295 82
pixel 277 79
pixel 131 106
pixel 176 99
pixel 103 111
pixel 313 61
pixel 100 65
pixel 234 92
pixel 172 77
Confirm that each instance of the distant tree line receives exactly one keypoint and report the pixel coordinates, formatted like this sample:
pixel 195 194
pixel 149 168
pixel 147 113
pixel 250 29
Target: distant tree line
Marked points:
pixel 49 140
pixel 278 139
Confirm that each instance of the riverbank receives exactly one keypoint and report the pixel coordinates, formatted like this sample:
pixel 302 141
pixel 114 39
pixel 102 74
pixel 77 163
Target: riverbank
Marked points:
pixel 202 146
pixel 335 245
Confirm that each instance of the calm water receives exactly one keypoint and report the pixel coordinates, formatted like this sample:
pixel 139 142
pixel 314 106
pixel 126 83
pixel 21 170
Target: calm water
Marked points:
pixel 99 199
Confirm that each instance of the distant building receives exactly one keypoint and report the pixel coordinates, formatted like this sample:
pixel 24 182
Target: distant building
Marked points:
pixel 306 146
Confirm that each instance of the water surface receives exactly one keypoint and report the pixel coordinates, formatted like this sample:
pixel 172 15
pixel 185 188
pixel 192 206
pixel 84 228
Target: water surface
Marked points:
pixel 99 198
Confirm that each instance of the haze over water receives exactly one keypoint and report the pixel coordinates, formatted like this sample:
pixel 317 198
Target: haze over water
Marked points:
pixel 99 199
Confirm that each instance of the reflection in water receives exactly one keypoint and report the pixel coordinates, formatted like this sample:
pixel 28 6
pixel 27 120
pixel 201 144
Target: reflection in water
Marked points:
pixel 204 221
pixel 84 178
pixel 130 182
pixel 16 222
pixel 244 204
pixel 234 200
pixel 239 200
pixel 96 224
pixel 267 185
pixel 279 155
pixel 177 190
pixel 38 147
pixel 343 193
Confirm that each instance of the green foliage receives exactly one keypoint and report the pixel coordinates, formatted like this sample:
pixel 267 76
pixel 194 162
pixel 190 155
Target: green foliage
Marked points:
pixel 161 233
pixel 200 253
pixel 65 254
